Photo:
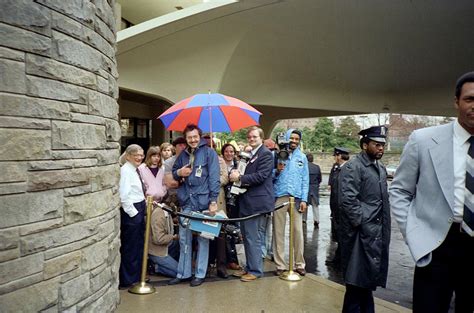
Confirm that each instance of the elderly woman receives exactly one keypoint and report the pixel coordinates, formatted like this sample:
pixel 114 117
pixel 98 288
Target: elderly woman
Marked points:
pixel 132 213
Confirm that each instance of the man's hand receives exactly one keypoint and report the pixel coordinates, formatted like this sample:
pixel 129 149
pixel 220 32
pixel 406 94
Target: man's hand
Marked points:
pixel 212 208
pixel 234 176
pixel 185 171
pixel 303 206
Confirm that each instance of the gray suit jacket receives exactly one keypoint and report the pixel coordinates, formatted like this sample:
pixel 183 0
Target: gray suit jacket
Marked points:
pixel 422 191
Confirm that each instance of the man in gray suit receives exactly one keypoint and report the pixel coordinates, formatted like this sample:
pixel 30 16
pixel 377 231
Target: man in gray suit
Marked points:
pixel 431 197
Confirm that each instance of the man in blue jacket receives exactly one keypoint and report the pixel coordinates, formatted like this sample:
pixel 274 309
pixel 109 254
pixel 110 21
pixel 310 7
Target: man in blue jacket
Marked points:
pixel 197 171
pixel 292 180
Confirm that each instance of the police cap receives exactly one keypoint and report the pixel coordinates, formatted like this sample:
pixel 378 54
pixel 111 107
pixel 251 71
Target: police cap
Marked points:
pixel 341 150
pixel 375 133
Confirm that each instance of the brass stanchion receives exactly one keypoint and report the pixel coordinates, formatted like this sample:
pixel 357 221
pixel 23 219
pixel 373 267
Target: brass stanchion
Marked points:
pixel 142 288
pixel 291 275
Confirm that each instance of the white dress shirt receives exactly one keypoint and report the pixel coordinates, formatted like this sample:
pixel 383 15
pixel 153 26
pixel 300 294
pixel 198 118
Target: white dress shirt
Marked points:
pixel 130 188
pixel 460 148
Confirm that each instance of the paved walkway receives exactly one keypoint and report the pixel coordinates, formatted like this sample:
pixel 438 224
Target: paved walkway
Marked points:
pixel 268 294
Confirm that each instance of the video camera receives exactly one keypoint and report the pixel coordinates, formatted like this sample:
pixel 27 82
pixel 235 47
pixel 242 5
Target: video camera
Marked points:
pixel 233 233
pixel 284 147
pixel 235 188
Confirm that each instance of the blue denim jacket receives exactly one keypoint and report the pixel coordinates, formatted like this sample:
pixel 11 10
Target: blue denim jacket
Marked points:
pixel 194 191
pixel 294 179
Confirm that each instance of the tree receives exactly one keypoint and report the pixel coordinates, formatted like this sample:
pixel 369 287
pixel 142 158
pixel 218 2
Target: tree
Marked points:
pixel 347 134
pixel 323 136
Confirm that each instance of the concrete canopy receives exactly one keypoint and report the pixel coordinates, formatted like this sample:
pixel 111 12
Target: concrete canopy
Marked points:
pixel 324 57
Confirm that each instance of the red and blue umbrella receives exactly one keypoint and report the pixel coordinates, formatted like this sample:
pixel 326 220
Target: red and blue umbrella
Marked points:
pixel 210 112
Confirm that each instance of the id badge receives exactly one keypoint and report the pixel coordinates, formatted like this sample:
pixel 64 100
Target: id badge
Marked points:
pixel 199 171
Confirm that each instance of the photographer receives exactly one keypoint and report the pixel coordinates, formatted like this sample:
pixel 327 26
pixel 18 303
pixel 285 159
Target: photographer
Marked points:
pixel 292 180
pixel 232 229
pixel 258 198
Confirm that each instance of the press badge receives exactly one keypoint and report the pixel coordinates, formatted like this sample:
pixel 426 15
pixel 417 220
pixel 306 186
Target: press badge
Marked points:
pixel 199 171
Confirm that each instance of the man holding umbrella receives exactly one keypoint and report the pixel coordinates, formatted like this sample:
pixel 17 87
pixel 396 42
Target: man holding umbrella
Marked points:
pixel 197 171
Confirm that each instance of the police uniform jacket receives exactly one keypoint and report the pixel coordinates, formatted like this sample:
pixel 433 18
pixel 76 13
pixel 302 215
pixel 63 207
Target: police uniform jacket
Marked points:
pixel 364 222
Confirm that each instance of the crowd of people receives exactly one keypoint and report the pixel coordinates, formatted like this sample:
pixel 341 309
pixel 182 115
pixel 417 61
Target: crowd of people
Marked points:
pixel 431 198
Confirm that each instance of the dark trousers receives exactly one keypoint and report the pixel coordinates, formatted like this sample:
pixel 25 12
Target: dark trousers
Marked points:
pixel 358 300
pixel 132 234
pixel 451 270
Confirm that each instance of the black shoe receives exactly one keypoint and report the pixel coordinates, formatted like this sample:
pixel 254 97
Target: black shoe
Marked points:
pixel 222 274
pixel 177 280
pixel 196 282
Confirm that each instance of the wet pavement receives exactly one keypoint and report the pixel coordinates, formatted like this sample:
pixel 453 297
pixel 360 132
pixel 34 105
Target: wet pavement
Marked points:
pixel 319 247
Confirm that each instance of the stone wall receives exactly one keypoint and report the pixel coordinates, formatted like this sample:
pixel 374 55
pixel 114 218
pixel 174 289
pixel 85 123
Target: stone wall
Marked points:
pixel 59 139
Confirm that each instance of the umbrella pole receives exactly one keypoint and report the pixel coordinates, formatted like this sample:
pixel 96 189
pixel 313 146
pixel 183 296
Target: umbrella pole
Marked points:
pixel 210 120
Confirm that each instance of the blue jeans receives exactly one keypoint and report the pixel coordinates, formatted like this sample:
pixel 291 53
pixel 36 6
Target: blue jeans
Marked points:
pixel 165 265
pixel 253 244
pixel 186 253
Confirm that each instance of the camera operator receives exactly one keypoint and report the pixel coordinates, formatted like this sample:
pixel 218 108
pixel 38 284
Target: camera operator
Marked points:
pixel 259 198
pixel 292 180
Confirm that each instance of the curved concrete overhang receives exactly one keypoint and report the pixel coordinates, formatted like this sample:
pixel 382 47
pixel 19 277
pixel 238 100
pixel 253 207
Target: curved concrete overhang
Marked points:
pixel 323 57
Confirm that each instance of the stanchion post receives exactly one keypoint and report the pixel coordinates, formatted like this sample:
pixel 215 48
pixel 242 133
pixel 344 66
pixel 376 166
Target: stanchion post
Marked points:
pixel 290 275
pixel 142 288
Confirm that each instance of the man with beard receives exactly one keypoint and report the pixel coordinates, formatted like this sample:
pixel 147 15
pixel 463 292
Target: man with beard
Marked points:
pixel 364 222
pixel 292 180
pixel 197 171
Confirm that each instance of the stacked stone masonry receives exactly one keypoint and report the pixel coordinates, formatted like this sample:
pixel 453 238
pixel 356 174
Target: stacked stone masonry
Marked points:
pixel 59 139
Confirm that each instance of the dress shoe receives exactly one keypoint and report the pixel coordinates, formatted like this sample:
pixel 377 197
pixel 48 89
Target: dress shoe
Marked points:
pixel 196 282
pixel 239 273
pixel 177 280
pixel 316 224
pixel 300 271
pixel 233 266
pixel 278 272
pixel 248 277
pixel 222 274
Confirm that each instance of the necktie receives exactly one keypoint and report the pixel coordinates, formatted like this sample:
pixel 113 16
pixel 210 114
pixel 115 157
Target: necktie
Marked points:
pixel 141 181
pixel 468 217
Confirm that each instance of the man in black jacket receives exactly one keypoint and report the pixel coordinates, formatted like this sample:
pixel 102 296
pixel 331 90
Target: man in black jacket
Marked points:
pixel 313 192
pixel 364 221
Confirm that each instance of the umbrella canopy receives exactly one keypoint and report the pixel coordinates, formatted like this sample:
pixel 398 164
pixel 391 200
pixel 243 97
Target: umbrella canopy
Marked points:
pixel 211 113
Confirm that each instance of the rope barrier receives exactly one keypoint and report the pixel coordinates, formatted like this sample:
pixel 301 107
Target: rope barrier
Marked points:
pixel 219 220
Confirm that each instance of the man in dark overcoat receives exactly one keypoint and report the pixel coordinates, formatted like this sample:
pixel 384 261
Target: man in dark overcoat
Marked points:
pixel 364 222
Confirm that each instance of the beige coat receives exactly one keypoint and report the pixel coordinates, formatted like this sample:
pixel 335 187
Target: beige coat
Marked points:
pixel 161 233
pixel 224 179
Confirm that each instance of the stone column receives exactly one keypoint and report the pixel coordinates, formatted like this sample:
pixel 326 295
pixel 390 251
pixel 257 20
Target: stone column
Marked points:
pixel 59 139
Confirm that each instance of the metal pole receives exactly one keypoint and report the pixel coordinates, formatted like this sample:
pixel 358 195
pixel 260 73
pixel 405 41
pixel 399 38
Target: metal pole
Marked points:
pixel 142 288
pixel 291 275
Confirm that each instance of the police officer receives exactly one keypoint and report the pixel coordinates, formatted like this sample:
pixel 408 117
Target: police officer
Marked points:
pixel 341 156
pixel 364 221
